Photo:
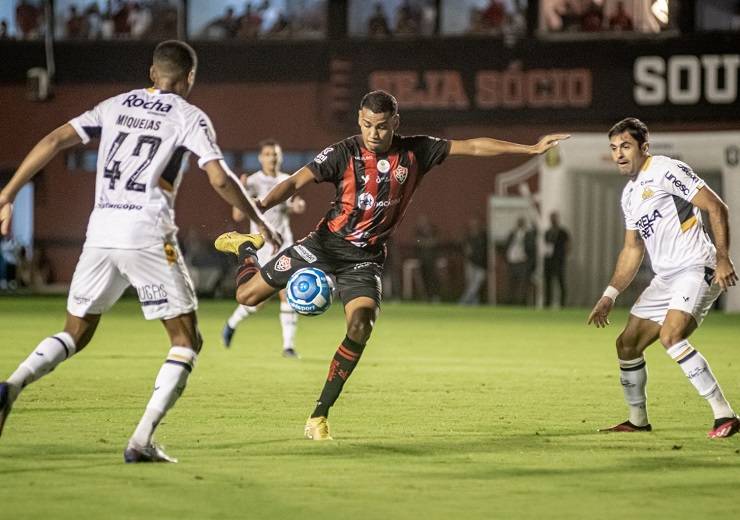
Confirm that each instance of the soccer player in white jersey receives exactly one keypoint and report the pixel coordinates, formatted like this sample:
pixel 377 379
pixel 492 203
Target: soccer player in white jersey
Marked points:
pixel 258 185
pixel 131 234
pixel 661 204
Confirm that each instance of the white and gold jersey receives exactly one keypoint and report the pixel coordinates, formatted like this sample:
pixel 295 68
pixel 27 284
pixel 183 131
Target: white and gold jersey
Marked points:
pixel 144 136
pixel 260 184
pixel 657 204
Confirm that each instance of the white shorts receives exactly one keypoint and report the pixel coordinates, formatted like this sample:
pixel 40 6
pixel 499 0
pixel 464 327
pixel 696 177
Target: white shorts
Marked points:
pixel 690 291
pixel 158 274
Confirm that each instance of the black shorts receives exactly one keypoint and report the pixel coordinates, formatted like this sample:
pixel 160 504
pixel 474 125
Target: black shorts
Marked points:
pixel 357 271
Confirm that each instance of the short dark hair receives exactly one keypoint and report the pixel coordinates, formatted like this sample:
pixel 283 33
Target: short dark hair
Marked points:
pixel 379 102
pixel 175 58
pixel 636 128
pixel 267 142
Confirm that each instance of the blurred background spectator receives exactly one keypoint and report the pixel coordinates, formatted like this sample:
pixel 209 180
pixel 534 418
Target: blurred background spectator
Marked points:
pixel 427 244
pixel 29 19
pixel 475 250
pixel 377 24
pixel 557 246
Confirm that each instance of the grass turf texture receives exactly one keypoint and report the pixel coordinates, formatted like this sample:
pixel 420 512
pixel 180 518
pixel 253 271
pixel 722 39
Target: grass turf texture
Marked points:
pixel 453 412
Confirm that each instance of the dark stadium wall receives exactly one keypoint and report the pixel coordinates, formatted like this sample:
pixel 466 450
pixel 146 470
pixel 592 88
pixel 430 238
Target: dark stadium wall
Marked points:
pixel 243 114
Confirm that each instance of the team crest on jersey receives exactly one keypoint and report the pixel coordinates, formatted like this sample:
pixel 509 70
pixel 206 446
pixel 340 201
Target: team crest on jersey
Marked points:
pixel 384 166
pixel 647 193
pixel 366 201
pixel 401 173
pixel 283 264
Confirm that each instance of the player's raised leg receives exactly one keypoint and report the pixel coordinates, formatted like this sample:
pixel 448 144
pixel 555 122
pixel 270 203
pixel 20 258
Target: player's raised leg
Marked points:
pixel 360 314
pixel 168 387
pixel 637 335
pixel 251 288
pixel 45 357
pixel 674 334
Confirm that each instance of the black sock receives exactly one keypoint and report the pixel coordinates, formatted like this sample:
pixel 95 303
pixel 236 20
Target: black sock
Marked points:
pixel 345 360
pixel 248 264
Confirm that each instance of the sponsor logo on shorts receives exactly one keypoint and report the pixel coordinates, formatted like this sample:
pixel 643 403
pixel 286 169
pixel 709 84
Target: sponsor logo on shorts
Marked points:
pixel 283 264
pixel 304 253
pixel 363 265
pixel 401 173
pixel 80 300
pixel 384 166
pixel 152 294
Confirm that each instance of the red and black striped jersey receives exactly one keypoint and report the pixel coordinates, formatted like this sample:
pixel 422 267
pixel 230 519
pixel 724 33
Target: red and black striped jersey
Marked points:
pixel 374 189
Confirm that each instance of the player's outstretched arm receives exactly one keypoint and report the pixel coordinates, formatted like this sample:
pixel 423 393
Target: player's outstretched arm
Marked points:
pixel 227 185
pixel 628 263
pixel 237 215
pixel 719 218
pixel 488 147
pixel 63 137
pixel 286 189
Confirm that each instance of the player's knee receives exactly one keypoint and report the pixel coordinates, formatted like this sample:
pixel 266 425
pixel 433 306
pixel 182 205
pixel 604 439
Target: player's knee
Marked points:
pixel 626 347
pixel 670 336
pixel 359 330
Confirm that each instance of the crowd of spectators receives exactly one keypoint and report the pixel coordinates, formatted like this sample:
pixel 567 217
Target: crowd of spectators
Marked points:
pixel 265 20
pixel 589 16
pixel 411 18
pixel 497 19
pixel 120 19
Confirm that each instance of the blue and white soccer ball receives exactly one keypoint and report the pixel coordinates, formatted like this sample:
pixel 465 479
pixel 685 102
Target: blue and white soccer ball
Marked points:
pixel 309 291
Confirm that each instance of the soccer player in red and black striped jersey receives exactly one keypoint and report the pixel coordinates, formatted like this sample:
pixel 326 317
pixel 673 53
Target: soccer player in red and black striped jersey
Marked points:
pixel 375 173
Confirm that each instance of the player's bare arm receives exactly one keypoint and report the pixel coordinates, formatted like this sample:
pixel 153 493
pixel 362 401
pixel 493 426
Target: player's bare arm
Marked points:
pixel 237 215
pixel 228 188
pixel 286 189
pixel 63 137
pixel 488 147
pixel 628 263
pixel 707 200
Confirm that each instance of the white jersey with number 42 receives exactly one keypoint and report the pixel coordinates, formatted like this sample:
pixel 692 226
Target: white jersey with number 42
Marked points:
pixel 144 135
pixel 657 204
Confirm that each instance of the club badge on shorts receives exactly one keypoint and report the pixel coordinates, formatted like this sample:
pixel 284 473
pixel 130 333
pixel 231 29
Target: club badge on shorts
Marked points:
pixel 170 253
pixel 283 264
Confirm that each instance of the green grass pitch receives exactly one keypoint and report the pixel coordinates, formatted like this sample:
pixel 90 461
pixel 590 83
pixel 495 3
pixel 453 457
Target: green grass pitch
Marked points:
pixel 452 413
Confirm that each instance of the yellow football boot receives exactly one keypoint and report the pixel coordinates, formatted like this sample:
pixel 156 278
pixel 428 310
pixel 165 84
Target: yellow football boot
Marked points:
pixel 317 429
pixel 231 241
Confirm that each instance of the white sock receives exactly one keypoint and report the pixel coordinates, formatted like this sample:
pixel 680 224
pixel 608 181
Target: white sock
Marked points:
pixel 241 312
pixel 45 357
pixel 168 386
pixel 700 374
pixel 289 323
pixel 633 376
